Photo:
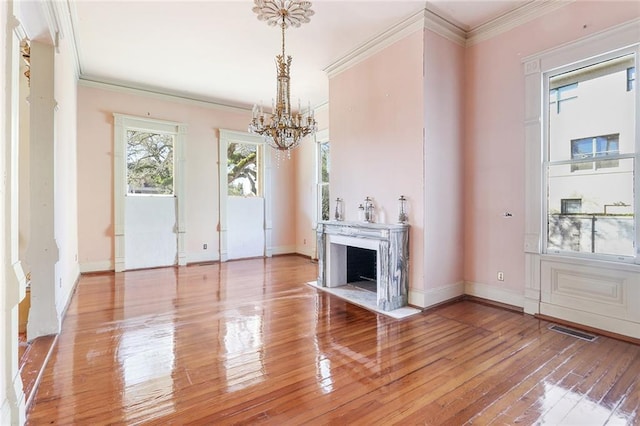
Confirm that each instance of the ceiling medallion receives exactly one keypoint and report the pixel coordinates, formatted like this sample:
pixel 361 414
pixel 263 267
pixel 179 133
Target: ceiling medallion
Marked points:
pixel 283 129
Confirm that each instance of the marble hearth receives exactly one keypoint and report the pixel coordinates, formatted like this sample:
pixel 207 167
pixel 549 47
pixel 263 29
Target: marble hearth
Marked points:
pixel 389 241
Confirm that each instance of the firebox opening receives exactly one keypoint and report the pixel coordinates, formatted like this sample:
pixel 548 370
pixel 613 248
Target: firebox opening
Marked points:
pixel 362 268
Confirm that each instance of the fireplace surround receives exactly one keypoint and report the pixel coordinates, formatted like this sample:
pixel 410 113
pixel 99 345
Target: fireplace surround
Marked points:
pixel 391 244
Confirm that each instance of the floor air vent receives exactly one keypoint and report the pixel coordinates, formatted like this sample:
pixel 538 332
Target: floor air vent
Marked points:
pixel 575 333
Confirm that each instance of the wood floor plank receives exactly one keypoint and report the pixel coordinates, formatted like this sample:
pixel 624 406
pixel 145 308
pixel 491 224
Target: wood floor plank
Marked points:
pixel 248 342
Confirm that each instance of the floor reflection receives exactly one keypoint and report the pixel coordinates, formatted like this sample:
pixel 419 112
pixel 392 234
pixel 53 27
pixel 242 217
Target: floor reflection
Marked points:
pixel 243 343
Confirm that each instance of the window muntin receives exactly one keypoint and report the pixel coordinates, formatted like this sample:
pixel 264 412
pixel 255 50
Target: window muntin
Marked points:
pixel 598 170
pixel 631 78
pixel 149 163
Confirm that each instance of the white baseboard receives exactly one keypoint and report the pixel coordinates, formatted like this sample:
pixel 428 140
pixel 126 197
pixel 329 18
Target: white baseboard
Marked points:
pixel 283 250
pixel 493 293
pixel 202 257
pixel 305 251
pixel 431 297
pixel 614 325
pixel 99 266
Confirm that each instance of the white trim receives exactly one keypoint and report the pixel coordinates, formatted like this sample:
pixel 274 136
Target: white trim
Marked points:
pixel 202 257
pixel 99 266
pixel 496 294
pixel 424 299
pixel 614 325
pixel 539 291
pixel 305 251
pixel 444 28
pixel 423 19
pixel 130 89
pixel 227 136
pixel 122 123
pixel 283 250
pixel 513 19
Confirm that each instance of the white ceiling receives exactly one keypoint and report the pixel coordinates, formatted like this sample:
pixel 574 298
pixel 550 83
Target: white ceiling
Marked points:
pixel 218 50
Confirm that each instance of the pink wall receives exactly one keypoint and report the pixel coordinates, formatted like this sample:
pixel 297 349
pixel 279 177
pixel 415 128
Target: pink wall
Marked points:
pixel 494 134
pixel 443 163
pixel 376 120
pixel 95 171
pixel 305 181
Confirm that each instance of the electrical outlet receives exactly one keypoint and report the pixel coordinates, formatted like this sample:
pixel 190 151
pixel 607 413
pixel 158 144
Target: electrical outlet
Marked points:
pixel 500 276
pixel 204 246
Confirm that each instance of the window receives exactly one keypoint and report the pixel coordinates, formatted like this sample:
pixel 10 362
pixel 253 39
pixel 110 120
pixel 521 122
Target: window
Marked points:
pixel 559 96
pixel 323 149
pixel 631 78
pixel 571 205
pixel 243 177
pixel 591 180
pixel 323 170
pixel 149 163
pixel 598 147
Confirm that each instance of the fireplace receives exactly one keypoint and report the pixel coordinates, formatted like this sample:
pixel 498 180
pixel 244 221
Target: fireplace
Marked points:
pixel 380 250
pixel 362 268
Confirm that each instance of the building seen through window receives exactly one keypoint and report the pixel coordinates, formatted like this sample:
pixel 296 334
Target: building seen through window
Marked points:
pixel 590 159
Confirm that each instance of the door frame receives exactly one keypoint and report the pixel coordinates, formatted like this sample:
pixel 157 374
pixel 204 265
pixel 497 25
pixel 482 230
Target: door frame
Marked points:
pixel 231 136
pixel 122 123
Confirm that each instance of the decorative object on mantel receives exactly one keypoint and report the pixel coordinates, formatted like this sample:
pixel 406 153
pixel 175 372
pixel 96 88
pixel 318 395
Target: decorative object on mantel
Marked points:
pixel 338 213
pixel 360 212
pixel 368 210
pixel 285 129
pixel 402 210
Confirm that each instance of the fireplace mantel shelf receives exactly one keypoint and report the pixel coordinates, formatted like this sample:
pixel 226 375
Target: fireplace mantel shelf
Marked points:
pixel 369 225
pixel 390 241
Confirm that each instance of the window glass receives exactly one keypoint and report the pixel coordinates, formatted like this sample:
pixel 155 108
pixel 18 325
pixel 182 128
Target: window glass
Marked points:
pixel 591 162
pixel 149 163
pixel 324 180
pixel 242 170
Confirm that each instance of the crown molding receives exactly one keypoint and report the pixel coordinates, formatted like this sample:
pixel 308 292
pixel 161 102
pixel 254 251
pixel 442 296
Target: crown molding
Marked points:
pixel 129 88
pixel 427 19
pixel 513 19
pixel 424 19
pixel 376 44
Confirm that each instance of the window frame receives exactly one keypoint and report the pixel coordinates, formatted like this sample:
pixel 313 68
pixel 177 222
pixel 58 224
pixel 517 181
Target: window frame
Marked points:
pixel 121 124
pixel 564 64
pixel 321 137
pixel 126 154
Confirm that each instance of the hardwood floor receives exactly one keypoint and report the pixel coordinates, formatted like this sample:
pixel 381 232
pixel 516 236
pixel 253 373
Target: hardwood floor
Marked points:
pixel 248 342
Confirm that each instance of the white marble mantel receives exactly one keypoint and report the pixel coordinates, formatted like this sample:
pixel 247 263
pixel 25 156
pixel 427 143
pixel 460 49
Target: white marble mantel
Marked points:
pixel 391 243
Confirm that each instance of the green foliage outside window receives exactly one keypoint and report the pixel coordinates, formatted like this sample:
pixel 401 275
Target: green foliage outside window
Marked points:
pixel 242 170
pixel 149 163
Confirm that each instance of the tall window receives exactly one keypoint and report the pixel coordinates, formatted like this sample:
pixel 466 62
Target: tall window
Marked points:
pixel 591 158
pixel 324 167
pixel 149 163
pixel 243 177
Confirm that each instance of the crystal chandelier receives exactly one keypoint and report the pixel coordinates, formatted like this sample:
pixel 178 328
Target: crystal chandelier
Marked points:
pixel 283 129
